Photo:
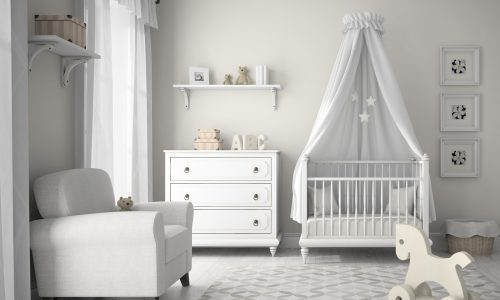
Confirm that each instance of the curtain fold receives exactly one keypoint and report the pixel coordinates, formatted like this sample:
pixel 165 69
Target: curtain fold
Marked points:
pixel 7 274
pixel 362 71
pixel 121 94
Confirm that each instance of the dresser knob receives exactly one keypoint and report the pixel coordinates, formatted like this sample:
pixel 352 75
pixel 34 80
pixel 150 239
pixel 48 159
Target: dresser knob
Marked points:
pixel 255 197
pixel 186 170
pixel 186 197
pixel 255 222
pixel 256 170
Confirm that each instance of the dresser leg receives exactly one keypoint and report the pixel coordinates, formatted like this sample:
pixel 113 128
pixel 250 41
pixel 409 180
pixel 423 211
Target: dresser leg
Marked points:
pixel 273 250
pixel 305 253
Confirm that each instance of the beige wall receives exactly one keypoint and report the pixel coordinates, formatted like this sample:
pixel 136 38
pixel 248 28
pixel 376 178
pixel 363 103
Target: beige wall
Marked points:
pixel 51 107
pixel 299 40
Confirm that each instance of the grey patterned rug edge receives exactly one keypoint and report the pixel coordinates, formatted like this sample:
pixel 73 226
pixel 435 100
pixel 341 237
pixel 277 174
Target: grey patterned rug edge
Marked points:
pixel 348 281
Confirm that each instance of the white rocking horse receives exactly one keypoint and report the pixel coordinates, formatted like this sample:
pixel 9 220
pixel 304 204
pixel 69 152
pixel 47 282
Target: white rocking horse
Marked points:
pixel 411 243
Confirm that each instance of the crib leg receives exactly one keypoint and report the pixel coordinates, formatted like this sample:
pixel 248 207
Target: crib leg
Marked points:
pixel 305 253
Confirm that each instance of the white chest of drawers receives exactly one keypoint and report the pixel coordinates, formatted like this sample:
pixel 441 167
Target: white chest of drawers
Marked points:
pixel 234 194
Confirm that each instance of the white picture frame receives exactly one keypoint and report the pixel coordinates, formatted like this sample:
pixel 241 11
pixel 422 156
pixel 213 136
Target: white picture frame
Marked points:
pixel 199 76
pixel 459 65
pixel 459 157
pixel 460 112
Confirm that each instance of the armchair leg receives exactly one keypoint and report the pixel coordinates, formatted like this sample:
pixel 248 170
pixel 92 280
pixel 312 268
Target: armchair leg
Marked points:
pixel 185 280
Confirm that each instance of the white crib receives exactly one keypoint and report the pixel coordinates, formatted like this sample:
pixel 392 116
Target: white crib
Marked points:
pixel 359 203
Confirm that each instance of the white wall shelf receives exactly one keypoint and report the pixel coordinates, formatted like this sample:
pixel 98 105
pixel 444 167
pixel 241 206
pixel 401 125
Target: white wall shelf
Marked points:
pixel 71 55
pixel 186 89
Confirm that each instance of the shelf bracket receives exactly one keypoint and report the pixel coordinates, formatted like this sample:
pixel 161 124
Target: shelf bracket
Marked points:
pixel 185 93
pixel 275 96
pixel 35 49
pixel 68 64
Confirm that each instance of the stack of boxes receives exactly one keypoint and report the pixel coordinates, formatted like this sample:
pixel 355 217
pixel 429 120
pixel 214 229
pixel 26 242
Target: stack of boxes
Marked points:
pixel 208 139
pixel 64 26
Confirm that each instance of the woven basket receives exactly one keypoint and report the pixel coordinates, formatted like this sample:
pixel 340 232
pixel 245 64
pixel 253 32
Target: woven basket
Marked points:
pixel 475 245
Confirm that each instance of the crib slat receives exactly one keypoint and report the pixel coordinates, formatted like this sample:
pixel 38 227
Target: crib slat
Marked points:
pixel 315 200
pixel 382 204
pixel 331 208
pixel 390 202
pixel 414 203
pixel 323 206
pixel 340 208
pixel 356 208
pixel 348 206
pixel 406 203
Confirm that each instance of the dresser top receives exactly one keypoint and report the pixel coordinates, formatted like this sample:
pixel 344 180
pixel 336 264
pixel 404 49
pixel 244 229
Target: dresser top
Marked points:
pixel 221 151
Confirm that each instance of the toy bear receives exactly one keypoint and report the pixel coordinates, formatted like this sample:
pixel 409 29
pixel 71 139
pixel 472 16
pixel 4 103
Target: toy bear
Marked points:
pixel 125 203
pixel 243 76
pixel 227 79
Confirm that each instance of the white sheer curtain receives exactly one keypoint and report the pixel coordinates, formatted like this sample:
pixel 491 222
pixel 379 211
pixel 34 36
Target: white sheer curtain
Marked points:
pixel 6 180
pixel 119 110
pixel 362 71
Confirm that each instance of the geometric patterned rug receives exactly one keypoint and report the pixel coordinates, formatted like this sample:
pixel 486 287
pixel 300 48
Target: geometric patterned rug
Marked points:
pixel 329 281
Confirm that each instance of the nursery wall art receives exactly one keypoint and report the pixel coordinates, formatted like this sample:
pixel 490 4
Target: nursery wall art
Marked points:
pixel 460 65
pixel 460 112
pixel 459 157
pixel 199 76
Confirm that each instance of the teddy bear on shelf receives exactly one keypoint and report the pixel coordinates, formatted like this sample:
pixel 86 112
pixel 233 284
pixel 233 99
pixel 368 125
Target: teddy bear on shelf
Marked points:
pixel 125 203
pixel 227 79
pixel 243 76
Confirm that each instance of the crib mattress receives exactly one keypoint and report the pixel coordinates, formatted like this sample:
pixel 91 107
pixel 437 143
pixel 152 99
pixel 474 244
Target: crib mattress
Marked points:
pixel 362 227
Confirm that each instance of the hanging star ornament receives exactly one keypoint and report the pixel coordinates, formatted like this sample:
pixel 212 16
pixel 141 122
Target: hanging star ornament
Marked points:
pixel 364 117
pixel 355 97
pixel 371 101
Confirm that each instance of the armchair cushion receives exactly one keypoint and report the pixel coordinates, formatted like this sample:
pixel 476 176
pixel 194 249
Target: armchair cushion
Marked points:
pixel 177 241
pixel 74 192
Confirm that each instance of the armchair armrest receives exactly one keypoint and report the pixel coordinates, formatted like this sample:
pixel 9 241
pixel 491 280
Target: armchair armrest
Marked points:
pixel 174 213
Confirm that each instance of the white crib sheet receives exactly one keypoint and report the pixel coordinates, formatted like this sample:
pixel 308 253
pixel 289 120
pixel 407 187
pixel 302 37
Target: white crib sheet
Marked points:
pixel 366 227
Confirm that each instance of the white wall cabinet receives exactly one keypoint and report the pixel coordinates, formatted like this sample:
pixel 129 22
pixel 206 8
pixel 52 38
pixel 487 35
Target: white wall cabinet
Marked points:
pixel 234 194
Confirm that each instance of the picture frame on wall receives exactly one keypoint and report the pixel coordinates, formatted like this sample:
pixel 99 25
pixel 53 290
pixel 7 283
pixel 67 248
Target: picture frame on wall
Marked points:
pixel 460 112
pixel 199 76
pixel 459 157
pixel 459 65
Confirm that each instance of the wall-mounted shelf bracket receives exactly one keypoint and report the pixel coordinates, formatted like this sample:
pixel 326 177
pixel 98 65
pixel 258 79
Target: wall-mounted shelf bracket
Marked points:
pixel 68 64
pixel 185 93
pixel 275 96
pixel 35 49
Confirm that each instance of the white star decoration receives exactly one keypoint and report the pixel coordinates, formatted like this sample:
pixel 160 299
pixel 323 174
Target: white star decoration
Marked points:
pixel 371 101
pixel 364 117
pixel 354 97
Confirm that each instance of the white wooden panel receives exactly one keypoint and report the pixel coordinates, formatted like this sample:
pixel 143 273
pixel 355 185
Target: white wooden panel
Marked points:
pixel 204 194
pixel 232 221
pixel 224 168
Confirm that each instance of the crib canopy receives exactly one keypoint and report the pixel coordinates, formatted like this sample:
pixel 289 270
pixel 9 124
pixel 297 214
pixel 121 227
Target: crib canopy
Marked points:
pixel 363 115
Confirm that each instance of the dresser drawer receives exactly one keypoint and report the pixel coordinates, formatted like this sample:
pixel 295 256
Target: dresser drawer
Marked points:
pixel 220 168
pixel 231 221
pixel 218 194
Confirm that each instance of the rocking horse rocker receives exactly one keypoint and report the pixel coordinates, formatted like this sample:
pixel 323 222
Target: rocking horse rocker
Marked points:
pixel 411 243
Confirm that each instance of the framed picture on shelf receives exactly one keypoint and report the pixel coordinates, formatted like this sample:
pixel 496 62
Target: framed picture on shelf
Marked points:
pixel 460 112
pixel 459 65
pixel 199 76
pixel 459 157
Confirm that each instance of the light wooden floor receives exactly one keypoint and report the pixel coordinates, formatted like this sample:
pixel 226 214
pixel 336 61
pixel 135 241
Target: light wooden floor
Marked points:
pixel 209 264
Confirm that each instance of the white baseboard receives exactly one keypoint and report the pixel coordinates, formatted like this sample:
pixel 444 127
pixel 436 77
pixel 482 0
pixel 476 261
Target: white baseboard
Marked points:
pixel 290 240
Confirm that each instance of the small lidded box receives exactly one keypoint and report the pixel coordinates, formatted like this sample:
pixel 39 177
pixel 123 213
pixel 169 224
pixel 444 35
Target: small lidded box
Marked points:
pixel 64 26
pixel 208 139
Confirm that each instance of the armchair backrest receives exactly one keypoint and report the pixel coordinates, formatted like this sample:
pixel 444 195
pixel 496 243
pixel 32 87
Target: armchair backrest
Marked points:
pixel 74 192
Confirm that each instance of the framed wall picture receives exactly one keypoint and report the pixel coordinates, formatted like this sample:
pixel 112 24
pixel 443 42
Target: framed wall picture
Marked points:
pixel 460 112
pixel 459 157
pixel 199 76
pixel 459 65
